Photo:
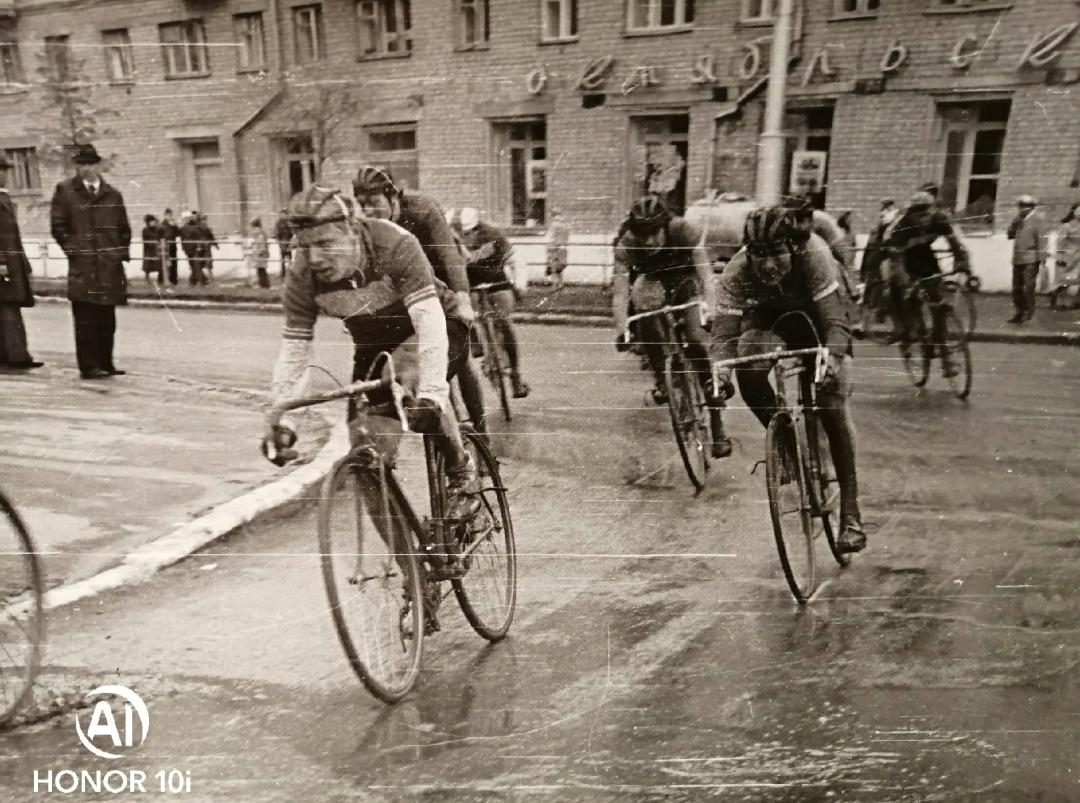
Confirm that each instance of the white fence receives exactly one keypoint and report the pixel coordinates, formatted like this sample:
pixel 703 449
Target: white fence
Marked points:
pixel 589 259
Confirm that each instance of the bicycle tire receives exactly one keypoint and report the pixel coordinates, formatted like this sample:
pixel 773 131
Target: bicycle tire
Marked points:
pixel 495 369
pixel 489 612
pixel 22 617
pixel 783 470
pixel 957 344
pixel 686 406
pixel 917 362
pixel 384 573
pixel 824 487
pixel 963 304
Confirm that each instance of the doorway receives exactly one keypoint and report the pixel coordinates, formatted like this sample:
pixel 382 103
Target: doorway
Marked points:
pixel 661 149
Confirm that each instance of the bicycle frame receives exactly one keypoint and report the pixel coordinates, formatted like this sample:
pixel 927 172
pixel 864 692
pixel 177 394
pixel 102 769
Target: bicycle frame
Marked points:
pixel 668 314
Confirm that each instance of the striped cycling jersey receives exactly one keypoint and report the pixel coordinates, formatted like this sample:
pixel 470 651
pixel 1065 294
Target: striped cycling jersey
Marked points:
pixel 395 275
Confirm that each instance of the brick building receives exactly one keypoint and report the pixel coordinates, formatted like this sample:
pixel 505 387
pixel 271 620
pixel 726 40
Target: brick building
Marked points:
pixel 520 105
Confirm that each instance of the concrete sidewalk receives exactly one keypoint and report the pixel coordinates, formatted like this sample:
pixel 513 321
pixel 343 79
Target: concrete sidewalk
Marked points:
pixel 102 470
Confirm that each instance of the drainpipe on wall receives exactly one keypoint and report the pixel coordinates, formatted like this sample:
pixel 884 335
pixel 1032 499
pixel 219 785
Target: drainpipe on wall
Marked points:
pixel 770 172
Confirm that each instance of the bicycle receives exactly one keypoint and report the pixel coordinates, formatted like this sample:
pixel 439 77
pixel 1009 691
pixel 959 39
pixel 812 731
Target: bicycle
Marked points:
pixel 916 300
pixel 496 365
pixel 396 578
pixel 800 476
pixel 22 621
pixel 875 312
pixel 686 398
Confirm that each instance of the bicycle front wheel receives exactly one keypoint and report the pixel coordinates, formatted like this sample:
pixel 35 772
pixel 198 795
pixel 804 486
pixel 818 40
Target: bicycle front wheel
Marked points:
pixel 917 355
pixel 686 404
pixel 823 485
pixel 789 507
pixel 959 351
pixel 372 578
pixel 22 622
pixel 487 592
pixel 962 302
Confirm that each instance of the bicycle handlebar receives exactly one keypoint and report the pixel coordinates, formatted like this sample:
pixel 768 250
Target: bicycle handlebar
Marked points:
pixel 664 311
pixel 354 389
pixel 821 352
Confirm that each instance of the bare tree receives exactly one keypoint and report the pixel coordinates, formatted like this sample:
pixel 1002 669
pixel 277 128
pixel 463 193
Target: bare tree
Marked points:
pixel 322 110
pixel 68 116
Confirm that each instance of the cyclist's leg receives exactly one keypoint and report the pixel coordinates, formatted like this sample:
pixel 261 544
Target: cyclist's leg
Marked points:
pixel 837 422
pixel 472 392
pixel 898 284
pixel 502 303
pixel 754 386
pixel 647 294
pixel 697 347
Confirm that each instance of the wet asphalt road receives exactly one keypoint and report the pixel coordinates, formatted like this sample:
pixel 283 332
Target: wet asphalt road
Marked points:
pixel 656 653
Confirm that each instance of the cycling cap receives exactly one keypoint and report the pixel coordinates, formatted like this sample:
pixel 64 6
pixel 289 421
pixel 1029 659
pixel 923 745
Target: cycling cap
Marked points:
pixel 921 200
pixel 769 226
pixel 470 218
pixel 371 180
pixel 1027 200
pixel 648 214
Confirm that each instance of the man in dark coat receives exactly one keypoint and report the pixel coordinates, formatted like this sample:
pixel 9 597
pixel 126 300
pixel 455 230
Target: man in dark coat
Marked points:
pixel 15 290
pixel 193 241
pixel 89 222
pixel 169 232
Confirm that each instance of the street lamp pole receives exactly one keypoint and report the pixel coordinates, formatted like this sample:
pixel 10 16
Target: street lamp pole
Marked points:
pixel 770 172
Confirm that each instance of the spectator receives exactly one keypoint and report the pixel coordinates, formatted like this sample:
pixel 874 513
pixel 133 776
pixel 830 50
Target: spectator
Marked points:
pixel 209 241
pixel 15 289
pixel 558 239
pixel 169 232
pixel 1067 275
pixel 260 252
pixel 1028 233
pixel 89 222
pixel 151 244
pixel 283 234
pixel 191 239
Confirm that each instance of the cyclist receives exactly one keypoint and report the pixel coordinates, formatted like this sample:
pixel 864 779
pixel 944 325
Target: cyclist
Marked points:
pixel 911 243
pixel 785 284
pixel 828 228
pixel 378 196
pixel 490 260
pixel 666 256
pixel 373 276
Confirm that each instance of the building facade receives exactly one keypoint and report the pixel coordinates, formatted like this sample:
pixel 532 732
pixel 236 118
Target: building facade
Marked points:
pixel 519 106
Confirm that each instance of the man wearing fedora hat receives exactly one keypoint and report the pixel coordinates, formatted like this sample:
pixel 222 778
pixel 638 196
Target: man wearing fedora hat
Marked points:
pixel 89 222
pixel 1028 232
pixel 15 290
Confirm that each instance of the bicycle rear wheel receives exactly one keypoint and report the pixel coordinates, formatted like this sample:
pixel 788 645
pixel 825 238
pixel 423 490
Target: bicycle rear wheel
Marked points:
pixel 823 485
pixel 789 508
pixel 22 622
pixel 495 368
pixel 373 584
pixel 487 593
pixel 686 404
pixel 956 343
pixel 962 302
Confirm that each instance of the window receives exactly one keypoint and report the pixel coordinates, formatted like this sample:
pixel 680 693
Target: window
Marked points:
pixel 559 19
pixel 651 15
pixel 251 44
pixel 395 148
pixel 58 57
pixel 10 63
pixel 385 28
pixel 297 159
pixel 119 60
pixel 23 175
pixel 757 10
pixel 183 46
pixel 807 141
pixel 308 34
pixel 472 23
pixel 852 8
pixel 521 164
pixel 968 5
pixel 661 151
pixel 974 135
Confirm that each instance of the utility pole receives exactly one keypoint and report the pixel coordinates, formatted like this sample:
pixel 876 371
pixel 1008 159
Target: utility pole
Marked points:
pixel 770 171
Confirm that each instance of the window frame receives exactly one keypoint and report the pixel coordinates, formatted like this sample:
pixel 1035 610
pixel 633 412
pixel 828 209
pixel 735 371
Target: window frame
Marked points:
pixel 970 129
pixel 402 38
pixel 403 162
pixel 567 20
pixel 503 143
pixel 861 11
pixel 966 6
pixel 197 45
pixel 242 35
pixel 124 50
pixel 318 33
pixel 10 55
pixel 482 10
pixel 766 17
pixel 58 55
pixel 24 164
pixel 655 26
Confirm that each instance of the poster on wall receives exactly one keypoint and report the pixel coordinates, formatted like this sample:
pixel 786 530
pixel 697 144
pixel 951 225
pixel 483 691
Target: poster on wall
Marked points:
pixel 807 172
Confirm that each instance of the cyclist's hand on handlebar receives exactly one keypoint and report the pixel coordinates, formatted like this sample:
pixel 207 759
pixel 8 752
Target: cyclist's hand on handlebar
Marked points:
pixel 465 307
pixel 423 415
pixel 277 444
pixel 831 379
pixel 723 388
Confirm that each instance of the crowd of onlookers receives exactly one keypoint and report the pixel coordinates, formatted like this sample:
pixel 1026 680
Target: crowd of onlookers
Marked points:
pixel 159 242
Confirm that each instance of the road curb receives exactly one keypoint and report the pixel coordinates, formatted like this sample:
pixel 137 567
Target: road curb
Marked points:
pixel 277 497
pixel 578 319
